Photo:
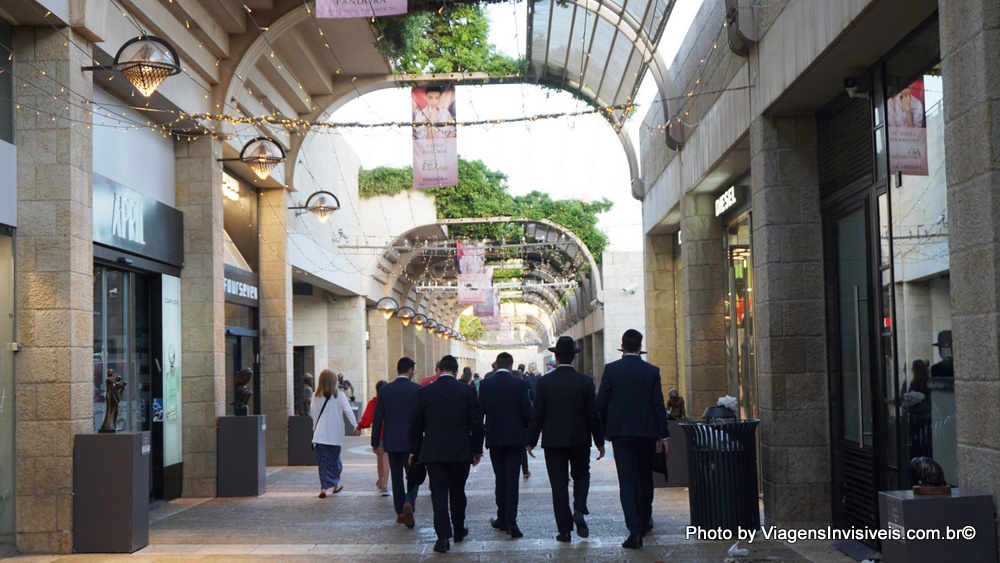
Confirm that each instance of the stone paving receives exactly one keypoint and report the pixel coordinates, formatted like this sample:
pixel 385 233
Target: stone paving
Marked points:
pixel 290 523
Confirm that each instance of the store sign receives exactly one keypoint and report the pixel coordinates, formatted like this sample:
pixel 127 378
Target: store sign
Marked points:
pixel 127 220
pixel 240 287
pixel 725 201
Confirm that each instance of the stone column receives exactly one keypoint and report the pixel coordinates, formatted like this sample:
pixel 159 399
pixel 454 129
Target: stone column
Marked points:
pixel 378 348
pixel 346 330
pixel 275 322
pixel 969 44
pixel 660 339
pixel 199 196
pixel 395 332
pixel 789 299
pixel 703 290
pixel 54 277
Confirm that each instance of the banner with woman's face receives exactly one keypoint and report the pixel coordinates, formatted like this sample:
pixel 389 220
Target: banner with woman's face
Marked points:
pixel 435 148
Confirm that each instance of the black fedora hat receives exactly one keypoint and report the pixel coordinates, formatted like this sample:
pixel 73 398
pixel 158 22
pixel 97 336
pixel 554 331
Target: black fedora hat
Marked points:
pixel 943 339
pixel 564 346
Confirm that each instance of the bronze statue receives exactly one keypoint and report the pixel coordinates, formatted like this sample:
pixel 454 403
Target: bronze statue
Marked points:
pixel 242 393
pixel 113 389
pixel 928 477
pixel 675 405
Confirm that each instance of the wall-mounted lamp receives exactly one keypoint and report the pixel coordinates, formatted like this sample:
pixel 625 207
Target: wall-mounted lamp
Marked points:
pixel 322 204
pixel 419 320
pixel 431 325
pixel 145 61
pixel 388 306
pixel 405 315
pixel 261 154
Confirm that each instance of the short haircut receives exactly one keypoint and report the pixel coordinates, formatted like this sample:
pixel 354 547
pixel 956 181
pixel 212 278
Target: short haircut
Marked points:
pixel 505 360
pixel 449 364
pixel 631 340
pixel 379 385
pixel 438 89
pixel 404 364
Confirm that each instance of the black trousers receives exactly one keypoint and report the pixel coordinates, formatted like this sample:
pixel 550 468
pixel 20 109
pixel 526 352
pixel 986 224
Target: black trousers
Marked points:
pixel 404 489
pixel 524 461
pixel 448 489
pixel 506 462
pixel 634 461
pixel 577 458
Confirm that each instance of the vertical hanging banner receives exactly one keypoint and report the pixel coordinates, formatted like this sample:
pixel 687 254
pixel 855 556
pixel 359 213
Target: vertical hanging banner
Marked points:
pixel 435 148
pixel 359 8
pixel 471 257
pixel 908 131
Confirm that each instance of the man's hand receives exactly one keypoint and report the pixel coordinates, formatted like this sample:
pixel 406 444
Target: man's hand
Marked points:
pixel 378 450
pixel 409 460
pixel 600 450
pixel 357 431
pixel 663 447
pixel 476 459
pixel 530 452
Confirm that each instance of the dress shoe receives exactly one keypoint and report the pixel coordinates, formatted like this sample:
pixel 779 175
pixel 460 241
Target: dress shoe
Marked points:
pixel 634 541
pixel 400 518
pixel 581 525
pixel 515 532
pixel 496 524
pixel 442 546
pixel 563 537
pixel 408 515
pixel 460 533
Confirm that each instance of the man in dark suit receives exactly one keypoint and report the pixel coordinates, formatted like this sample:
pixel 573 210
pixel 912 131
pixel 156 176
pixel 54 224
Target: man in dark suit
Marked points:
pixel 394 406
pixel 504 400
pixel 635 419
pixel 446 432
pixel 565 413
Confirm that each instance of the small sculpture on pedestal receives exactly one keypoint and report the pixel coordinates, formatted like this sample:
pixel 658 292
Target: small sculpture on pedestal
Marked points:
pixel 675 405
pixel 113 389
pixel 242 393
pixel 928 477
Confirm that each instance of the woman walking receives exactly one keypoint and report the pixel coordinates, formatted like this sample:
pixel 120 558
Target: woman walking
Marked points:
pixel 382 484
pixel 328 432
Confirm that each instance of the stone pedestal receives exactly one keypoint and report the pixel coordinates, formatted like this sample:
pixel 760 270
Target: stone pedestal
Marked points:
pixel 111 492
pixel 300 432
pixel 957 513
pixel 241 456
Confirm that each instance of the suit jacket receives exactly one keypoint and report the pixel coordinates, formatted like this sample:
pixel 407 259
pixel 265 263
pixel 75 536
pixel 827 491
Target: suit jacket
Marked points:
pixel 565 411
pixel 631 400
pixel 394 407
pixel 504 400
pixel 447 423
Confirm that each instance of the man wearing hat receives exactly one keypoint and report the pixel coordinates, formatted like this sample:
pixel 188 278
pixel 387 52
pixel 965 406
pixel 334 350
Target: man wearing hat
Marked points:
pixel 549 366
pixel 565 413
pixel 631 405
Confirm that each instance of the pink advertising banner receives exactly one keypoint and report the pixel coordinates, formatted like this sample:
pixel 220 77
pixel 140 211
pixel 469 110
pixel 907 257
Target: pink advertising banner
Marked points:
pixel 359 8
pixel 908 131
pixel 471 257
pixel 474 288
pixel 435 148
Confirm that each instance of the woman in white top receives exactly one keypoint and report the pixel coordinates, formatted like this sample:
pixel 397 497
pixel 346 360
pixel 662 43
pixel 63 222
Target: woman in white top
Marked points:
pixel 328 431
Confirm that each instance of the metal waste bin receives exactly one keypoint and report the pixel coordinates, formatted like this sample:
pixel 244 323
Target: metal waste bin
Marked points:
pixel 722 474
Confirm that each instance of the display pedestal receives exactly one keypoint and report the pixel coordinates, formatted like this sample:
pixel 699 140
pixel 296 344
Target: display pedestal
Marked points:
pixel 111 492
pixel 677 461
pixel 903 510
pixel 300 433
pixel 241 469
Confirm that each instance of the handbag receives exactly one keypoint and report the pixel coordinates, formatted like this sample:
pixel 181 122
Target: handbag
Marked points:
pixel 660 463
pixel 313 445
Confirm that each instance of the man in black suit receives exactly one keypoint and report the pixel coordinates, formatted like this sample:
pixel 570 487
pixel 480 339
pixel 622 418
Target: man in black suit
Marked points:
pixel 635 419
pixel 394 406
pixel 446 432
pixel 565 413
pixel 504 400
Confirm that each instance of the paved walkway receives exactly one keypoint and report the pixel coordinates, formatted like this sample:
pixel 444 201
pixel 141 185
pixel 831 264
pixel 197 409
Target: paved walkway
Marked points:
pixel 289 523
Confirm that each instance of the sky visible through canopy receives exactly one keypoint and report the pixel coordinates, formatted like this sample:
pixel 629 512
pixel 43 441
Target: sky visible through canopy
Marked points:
pixel 569 157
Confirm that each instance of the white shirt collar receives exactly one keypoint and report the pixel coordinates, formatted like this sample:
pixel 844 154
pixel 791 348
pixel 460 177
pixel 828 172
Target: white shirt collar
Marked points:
pixel 443 374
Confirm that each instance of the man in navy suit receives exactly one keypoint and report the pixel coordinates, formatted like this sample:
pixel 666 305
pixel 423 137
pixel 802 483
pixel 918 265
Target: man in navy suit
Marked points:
pixel 504 400
pixel 565 413
pixel 446 431
pixel 394 407
pixel 635 420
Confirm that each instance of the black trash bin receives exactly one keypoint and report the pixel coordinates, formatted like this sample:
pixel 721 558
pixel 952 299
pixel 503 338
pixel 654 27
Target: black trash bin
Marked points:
pixel 722 473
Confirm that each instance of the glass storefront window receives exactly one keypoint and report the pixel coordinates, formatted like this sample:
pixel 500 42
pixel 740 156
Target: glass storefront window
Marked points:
pixel 122 343
pixel 739 314
pixel 920 254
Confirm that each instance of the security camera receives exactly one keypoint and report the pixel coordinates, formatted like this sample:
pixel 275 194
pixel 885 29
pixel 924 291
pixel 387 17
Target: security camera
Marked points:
pixel 630 289
pixel 851 85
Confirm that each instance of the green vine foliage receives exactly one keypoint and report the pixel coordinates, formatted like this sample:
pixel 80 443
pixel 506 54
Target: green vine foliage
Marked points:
pixel 440 41
pixel 471 327
pixel 482 192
